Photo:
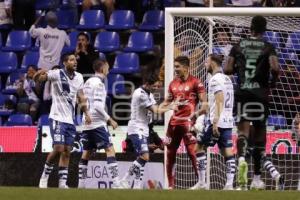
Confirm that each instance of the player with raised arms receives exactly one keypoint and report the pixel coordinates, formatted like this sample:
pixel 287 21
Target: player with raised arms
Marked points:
pixel 66 88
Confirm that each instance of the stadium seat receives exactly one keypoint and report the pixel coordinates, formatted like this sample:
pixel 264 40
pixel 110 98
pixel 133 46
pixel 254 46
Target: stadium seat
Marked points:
pixel 107 42
pixel 102 56
pixel 46 4
pixel 126 63
pixel 293 41
pixel 18 41
pixel 274 38
pixel 43 120
pixel 19 120
pixel 6 100
pixel 153 20
pixel 30 58
pixel 140 42
pixel 8 62
pixel 91 20
pixel 66 19
pixel 121 20
pixel 115 84
pixel 172 3
pixel 278 121
pixel 12 81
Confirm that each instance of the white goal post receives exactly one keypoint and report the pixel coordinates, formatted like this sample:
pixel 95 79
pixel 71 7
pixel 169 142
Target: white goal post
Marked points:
pixel 194 31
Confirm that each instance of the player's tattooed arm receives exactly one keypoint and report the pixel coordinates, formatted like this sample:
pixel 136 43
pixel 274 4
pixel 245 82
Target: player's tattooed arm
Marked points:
pixel 82 101
pixel 218 110
pixel 40 76
pixel 228 68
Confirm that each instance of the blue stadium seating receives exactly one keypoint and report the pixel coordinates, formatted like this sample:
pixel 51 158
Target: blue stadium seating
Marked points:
pixel 10 86
pixel 18 41
pixel 126 63
pixel 66 19
pixel 30 58
pixel 19 120
pixel 102 56
pixel 172 3
pixel 153 20
pixel 43 120
pixel 278 121
pixel 140 42
pixel 293 41
pixel 115 84
pixel 46 4
pixel 274 38
pixel 8 62
pixel 4 99
pixel 121 20
pixel 107 41
pixel 91 20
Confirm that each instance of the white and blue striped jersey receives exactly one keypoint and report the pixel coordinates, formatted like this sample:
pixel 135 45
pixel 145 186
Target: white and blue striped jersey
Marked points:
pixel 141 116
pixel 64 94
pixel 221 82
pixel 94 90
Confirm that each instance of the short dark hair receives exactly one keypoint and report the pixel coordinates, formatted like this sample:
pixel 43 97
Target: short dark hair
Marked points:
pixel 150 78
pixel 183 60
pixel 216 58
pixel 84 34
pixel 65 56
pixel 98 64
pixel 258 24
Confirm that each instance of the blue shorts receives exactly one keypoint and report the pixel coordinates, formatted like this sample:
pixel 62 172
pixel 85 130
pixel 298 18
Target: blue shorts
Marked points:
pixel 140 143
pixel 62 133
pixel 98 138
pixel 207 138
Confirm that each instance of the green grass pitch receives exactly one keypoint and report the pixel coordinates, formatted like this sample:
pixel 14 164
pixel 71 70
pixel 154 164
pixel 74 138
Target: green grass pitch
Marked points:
pixel 27 193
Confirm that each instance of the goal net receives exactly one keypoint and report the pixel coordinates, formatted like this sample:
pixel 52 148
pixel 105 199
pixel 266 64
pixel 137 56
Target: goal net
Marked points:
pixel 198 32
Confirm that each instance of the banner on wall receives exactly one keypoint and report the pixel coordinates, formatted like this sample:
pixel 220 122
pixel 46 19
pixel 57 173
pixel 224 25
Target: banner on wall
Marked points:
pixel 277 142
pixel 18 139
pixel 98 175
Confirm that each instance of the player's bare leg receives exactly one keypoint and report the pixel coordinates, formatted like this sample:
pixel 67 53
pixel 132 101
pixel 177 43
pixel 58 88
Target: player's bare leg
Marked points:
pixel 57 150
pixel 113 166
pixel 82 168
pixel 63 167
pixel 242 144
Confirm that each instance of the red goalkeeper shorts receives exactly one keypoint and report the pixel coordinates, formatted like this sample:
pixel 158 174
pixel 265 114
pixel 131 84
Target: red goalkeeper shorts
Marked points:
pixel 176 133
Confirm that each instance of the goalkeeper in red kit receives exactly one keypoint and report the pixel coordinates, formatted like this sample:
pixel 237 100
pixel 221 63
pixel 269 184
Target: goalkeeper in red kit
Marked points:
pixel 188 91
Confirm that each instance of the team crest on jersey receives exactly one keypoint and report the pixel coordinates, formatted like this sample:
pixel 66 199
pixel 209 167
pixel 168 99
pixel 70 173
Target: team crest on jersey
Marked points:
pixel 187 88
pixel 174 88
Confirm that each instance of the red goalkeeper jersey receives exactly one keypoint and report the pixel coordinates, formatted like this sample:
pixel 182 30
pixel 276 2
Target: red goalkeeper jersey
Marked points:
pixel 187 93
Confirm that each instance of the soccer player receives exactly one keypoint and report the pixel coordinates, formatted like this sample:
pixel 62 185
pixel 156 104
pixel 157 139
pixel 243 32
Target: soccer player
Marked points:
pixel 188 91
pixel 96 134
pixel 142 107
pixel 66 87
pixel 219 126
pixel 255 61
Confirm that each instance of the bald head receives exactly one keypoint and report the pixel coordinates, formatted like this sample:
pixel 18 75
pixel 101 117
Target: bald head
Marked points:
pixel 51 19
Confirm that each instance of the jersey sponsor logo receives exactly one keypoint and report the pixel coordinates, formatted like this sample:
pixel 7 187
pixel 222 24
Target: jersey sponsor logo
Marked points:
pixel 57 137
pixel 187 88
pixel 48 36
